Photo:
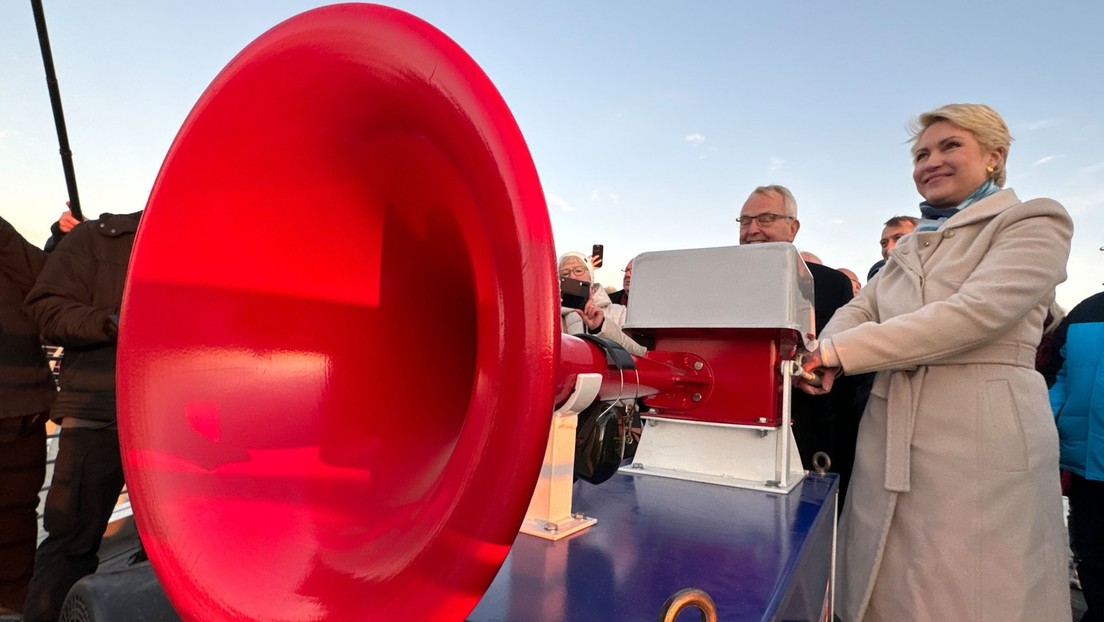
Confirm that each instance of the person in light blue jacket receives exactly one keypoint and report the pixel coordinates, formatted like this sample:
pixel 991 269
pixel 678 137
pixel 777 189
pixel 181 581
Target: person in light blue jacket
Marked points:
pixel 1077 398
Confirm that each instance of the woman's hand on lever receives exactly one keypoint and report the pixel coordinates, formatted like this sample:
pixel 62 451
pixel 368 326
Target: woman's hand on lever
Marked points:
pixel 815 379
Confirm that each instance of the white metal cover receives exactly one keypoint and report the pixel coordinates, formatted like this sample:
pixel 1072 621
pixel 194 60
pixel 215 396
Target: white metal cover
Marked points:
pixel 751 286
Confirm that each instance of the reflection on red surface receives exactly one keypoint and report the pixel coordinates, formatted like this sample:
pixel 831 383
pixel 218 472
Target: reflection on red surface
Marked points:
pixel 337 346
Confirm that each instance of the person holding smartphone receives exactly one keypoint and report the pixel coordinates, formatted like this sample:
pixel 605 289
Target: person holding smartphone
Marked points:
pixel 596 315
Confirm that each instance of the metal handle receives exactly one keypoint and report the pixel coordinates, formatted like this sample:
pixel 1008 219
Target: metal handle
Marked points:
pixel 689 597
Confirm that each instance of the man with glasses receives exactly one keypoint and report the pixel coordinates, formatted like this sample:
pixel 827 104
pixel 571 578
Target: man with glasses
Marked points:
pixel 827 423
pixel 621 296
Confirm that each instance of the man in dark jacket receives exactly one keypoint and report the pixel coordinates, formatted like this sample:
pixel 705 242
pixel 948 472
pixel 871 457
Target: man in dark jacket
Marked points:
pixel 26 393
pixel 821 423
pixel 75 303
pixel 621 296
pixel 63 226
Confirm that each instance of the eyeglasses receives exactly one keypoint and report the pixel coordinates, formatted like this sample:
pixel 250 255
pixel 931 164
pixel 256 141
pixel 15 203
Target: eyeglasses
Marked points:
pixel 576 271
pixel 629 270
pixel 764 220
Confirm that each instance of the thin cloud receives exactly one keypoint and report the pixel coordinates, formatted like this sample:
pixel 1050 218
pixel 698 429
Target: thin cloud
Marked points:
pixel 614 198
pixel 695 138
pixel 1038 125
pixel 1044 160
pixel 774 164
pixel 560 203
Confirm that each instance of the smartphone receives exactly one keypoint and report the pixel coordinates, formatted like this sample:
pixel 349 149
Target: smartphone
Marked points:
pixel 574 293
pixel 596 252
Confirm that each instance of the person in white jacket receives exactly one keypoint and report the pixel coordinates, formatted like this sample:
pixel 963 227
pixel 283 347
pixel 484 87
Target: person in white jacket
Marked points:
pixel 599 316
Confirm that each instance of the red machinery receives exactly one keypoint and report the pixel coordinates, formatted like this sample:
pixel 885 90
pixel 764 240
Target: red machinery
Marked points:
pixel 339 345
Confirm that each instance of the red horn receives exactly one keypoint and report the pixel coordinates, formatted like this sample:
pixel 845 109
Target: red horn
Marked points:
pixel 338 350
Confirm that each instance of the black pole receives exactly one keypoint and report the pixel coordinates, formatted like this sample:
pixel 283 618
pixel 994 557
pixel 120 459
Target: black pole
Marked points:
pixel 59 116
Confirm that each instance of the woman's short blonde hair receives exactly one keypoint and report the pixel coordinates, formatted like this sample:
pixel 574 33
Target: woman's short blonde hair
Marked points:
pixel 983 122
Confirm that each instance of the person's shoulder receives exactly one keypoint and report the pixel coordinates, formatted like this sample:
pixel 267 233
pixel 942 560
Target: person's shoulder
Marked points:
pixel 598 295
pixel 878 265
pixel 1034 207
pixel 1088 310
pixel 824 274
pixel 114 225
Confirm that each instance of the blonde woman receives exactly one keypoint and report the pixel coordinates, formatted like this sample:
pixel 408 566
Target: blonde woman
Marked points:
pixel 955 510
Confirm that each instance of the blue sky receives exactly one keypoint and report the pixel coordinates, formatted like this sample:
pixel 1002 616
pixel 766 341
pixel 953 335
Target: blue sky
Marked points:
pixel 649 122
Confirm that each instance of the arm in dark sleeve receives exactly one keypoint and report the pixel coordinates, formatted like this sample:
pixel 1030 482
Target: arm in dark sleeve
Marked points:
pixel 1048 358
pixel 55 236
pixel 62 301
pixel 20 261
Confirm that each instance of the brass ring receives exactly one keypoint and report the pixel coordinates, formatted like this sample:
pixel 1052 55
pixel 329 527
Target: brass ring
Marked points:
pixel 689 597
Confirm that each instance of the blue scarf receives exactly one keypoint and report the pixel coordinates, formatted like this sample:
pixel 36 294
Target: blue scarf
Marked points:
pixel 933 217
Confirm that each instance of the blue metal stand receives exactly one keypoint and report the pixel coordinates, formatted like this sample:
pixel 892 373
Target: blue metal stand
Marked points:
pixel 760 556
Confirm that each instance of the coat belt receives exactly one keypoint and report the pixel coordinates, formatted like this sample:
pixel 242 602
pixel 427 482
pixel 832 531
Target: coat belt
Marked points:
pixel 903 398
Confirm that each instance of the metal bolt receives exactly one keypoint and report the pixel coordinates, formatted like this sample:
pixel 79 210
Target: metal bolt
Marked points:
pixel 637 465
pixel 762 433
pixel 698 365
pixel 553 527
pixel 696 397
pixel 578 515
pixel 762 419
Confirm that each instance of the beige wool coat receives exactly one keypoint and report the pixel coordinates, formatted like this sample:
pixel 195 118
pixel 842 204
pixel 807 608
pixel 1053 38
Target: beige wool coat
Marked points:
pixel 954 511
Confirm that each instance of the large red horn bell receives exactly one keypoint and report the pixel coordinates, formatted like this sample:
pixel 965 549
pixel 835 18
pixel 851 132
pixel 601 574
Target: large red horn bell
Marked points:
pixel 338 343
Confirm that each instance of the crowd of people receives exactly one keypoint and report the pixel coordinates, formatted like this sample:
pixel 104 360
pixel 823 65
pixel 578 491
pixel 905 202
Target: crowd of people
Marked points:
pixel 948 441
pixel 68 294
pixel 947 438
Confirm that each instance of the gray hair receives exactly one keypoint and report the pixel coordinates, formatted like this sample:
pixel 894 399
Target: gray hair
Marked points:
pixel 789 203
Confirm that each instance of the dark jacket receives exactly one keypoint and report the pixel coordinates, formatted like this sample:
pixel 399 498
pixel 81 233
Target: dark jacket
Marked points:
pixel 55 236
pixel 814 416
pixel 75 303
pixel 26 387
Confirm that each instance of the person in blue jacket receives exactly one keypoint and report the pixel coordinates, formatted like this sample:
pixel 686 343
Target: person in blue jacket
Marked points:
pixel 1077 398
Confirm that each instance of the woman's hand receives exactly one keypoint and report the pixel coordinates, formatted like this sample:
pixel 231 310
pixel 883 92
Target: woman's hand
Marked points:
pixel 814 366
pixel 592 316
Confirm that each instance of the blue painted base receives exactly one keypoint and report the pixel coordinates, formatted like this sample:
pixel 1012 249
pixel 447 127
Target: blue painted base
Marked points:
pixel 760 556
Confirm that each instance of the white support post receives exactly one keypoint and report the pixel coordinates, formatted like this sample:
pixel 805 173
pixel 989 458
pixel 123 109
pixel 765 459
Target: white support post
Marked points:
pixel 549 515
pixel 783 440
